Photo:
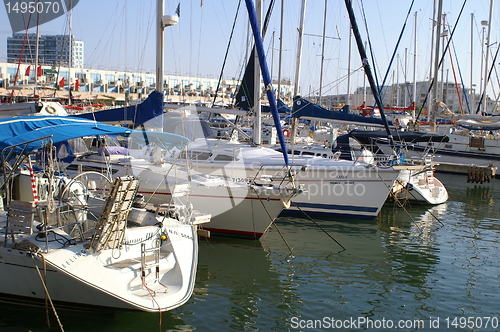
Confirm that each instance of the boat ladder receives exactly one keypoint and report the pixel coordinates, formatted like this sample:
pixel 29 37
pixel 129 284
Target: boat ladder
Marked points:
pixel 150 260
pixel 429 174
pixel 110 230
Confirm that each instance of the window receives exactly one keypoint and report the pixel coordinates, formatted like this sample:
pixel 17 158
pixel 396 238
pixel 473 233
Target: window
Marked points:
pixel 225 157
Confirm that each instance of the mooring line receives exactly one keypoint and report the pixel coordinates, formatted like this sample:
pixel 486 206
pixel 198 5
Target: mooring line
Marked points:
pixel 272 221
pixel 47 294
pixel 308 217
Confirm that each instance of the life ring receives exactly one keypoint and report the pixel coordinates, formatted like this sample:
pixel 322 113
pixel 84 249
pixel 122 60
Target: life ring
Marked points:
pixel 50 109
pixel 286 132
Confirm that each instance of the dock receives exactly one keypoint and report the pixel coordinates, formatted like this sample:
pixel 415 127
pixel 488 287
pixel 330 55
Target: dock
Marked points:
pixel 475 173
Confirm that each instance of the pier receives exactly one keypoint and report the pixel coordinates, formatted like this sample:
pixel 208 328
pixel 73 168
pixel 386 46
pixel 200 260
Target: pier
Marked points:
pixel 475 173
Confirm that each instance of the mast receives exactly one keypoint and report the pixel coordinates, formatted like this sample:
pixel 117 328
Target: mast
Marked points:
pixel 322 56
pixel 349 53
pixel 70 60
pixel 37 42
pixel 257 127
pixel 398 95
pixel 471 59
pixel 487 55
pixel 415 70
pixel 159 46
pixel 367 69
pixel 296 89
pixel 281 47
pixel 161 23
pixel 259 47
pixel 432 113
pixel 405 78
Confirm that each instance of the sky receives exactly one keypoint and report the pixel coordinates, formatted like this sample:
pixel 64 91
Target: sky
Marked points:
pixel 120 35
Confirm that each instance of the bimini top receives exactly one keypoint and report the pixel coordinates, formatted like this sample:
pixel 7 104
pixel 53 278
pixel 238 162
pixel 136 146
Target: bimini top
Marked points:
pixel 18 130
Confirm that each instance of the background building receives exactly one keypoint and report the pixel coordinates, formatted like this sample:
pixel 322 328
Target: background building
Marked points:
pixel 121 86
pixel 52 50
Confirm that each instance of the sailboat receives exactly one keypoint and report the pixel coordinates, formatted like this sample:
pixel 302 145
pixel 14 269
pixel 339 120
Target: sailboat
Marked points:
pixel 238 208
pixel 473 138
pixel 66 242
pixel 332 187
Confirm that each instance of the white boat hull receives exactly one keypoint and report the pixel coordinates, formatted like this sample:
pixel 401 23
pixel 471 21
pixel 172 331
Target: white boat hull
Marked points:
pixel 236 209
pixel 76 276
pixel 331 187
pixel 422 187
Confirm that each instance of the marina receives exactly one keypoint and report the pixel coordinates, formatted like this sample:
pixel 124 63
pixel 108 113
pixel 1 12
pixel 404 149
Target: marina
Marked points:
pixel 273 212
pixel 401 266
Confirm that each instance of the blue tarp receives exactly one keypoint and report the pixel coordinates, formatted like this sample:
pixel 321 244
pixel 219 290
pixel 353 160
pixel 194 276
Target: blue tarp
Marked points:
pixel 61 128
pixel 139 114
pixel 304 108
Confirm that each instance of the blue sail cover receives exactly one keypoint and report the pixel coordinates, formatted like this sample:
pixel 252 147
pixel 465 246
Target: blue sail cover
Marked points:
pixel 282 108
pixel 61 128
pixel 266 77
pixel 306 109
pixel 138 114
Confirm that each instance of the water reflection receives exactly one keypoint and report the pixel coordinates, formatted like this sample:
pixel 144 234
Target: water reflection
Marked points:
pixel 236 287
pixel 403 265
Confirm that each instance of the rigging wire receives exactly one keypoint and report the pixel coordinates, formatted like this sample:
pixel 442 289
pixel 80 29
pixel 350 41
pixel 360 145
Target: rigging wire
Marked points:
pixel 147 34
pixel 455 80
pixel 441 60
pixel 227 51
pixel 464 90
pixel 370 47
pixel 100 54
pixel 481 100
pixel 396 48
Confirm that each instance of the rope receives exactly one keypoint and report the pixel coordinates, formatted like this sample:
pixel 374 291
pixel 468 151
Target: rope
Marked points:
pixel 324 231
pixel 47 292
pixel 33 182
pixel 152 296
pixel 272 221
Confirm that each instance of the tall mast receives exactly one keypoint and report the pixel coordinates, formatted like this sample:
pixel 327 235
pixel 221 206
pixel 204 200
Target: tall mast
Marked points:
pixel 349 53
pixel 70 60
pixel 296 89
pixel 432 103
pixel 486 58
pixel 161 23
pixel 37 42
pixel 471 98
pixel 281 47
pixel 415 54
pixel 322 56
pixel 366 67
pixel 257 128
pixel 159 46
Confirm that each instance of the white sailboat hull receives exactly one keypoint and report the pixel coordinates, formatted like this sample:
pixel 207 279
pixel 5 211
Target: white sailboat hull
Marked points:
pixel 331 187
pixel 110 278
pixel 236 209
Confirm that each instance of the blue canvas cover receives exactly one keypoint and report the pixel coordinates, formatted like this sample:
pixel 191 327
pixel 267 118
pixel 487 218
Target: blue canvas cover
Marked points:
pixel 61 128
pixel 139 114
pixel 304 108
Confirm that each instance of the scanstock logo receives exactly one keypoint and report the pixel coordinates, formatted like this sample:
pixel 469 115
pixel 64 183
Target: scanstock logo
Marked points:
pixel 25 14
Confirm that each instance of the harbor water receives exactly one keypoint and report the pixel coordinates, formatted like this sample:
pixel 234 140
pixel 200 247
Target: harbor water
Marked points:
pixel 414 269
